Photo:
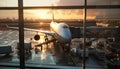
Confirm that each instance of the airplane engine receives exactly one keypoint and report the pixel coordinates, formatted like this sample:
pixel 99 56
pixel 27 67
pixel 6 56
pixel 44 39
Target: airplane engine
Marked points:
pixel 37 37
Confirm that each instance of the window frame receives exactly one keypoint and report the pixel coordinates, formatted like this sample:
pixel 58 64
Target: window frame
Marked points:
pixel 20 9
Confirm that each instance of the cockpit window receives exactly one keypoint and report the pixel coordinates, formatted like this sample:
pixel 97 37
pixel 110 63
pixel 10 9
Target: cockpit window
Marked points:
pixel 65 26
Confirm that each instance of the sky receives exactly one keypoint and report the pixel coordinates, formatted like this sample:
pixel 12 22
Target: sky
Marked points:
pixel 60 14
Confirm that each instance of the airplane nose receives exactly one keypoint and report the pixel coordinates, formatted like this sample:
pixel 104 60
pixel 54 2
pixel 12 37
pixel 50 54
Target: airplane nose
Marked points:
pixel 67 36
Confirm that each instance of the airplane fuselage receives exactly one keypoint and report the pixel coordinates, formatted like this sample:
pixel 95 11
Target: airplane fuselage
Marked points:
pixel 62 32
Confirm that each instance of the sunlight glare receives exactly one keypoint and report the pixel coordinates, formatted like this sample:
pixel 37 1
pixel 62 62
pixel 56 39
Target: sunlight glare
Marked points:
pixel 43 14
pixel 40 2
pixel 48 2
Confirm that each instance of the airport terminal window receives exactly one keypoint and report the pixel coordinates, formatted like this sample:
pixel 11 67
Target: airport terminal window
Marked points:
pixel 44 50
pixel 8 38
pixel 7 3
pixel 53 2
pixel 105 2
pixel 59 15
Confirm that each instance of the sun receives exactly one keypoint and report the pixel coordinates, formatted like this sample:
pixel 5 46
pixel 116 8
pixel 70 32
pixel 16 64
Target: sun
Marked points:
pixel 41 14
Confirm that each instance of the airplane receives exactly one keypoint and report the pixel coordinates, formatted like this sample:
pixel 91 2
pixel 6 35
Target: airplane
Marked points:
pixel 59 31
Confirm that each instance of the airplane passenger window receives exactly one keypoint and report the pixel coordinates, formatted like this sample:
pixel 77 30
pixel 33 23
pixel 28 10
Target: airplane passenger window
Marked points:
pixel 56 48
pixel 65 27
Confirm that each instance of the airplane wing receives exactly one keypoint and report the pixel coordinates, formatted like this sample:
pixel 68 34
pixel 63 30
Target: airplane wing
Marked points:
pixel 34 30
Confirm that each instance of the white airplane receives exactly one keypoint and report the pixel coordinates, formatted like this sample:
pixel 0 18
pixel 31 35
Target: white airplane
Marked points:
pixel 60 31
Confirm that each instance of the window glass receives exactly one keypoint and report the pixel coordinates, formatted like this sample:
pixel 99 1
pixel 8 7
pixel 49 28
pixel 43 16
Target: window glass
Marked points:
pixel 103 28
pixel 103 2
pixel 47 45
pixel 8 3
pixel 70 14
pixel 69 2
pixel 8 37
pixel 52 2
pixel 103 13
pixel 11 14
